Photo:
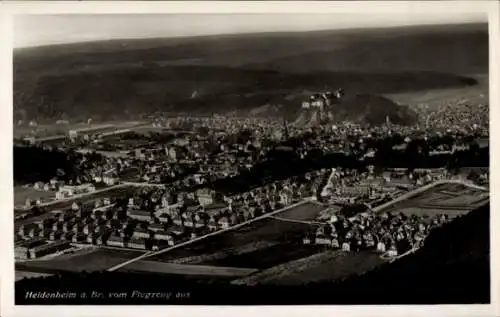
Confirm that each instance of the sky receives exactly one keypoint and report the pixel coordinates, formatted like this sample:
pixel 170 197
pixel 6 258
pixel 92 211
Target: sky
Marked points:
pixel 37 30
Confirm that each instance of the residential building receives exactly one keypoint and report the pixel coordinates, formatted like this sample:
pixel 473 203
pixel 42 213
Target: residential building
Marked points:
pixel 141 233
pixel 136 243
pixel 21 249
pixel 141 215
pixel 205 196
pixel 48 248
pixel 115 241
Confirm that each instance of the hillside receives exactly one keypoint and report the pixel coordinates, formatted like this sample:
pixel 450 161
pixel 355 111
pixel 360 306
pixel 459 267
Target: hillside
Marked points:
pixel 125 78
pixel 457 50
pixel 372 109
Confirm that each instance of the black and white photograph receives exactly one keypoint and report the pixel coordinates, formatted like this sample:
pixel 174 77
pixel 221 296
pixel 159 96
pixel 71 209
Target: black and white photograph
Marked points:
pixel 317 158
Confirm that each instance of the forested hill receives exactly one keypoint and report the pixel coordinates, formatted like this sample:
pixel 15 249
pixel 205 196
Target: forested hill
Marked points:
pixel 123 78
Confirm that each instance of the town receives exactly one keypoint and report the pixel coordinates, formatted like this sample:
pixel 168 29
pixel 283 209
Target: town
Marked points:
pixel 154 185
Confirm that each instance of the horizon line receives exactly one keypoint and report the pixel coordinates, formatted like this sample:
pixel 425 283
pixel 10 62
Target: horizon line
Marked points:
pixel 208 35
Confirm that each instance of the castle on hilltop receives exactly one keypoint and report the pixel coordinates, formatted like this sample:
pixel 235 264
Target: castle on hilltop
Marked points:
pixel 319 101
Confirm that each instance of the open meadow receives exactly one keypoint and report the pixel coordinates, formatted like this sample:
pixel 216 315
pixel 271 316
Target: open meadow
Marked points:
pixel 22 193
pixel 451 199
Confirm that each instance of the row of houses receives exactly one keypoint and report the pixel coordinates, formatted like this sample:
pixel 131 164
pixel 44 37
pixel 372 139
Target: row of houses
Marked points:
pixel 36 248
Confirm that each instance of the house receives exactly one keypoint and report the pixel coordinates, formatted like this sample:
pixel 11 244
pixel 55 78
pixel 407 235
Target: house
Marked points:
pixel 176 230
pixel 68 190
pixel 115 241
pixel 335 243
pixel 164 218
pixel 212 209
pixel 322 240
pixel 48 248
pixel 34 232
pixel 25 229
pixel 392 252
pixel 91 238
pixel 100 228
pixel 178 219
pixel 155 227
pixel 196 222
pixel 68 226
pixel 68 236
pixel 21 249
pixel 164 236
pixel 79 237
pixel 320 231
pixel 65 216
pixel 141 215
pixel 188 219
pixel 100 240
pixel 55 235
pixel 205 196
pixel 89 228
pixel 136 243
pixel 213 224
pixel 141 233
pixel 346 246
pixel 110 178
pixel 38 185
pixel 224 222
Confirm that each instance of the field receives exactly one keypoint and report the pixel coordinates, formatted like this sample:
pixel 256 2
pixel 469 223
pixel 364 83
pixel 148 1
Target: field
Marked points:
pixel 321 267
pixel 268 230
pixel 65 204
pixel 306 212
pixel 48 130
pixel 184 269
pixel 22 193
pixel 451 199
pixel 100 259
pixel 269 257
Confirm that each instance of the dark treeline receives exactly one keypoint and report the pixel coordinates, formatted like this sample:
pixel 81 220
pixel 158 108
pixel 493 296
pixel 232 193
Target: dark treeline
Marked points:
pixel 283 164
pixel 32 164
pixel 36 163
pixel 451 268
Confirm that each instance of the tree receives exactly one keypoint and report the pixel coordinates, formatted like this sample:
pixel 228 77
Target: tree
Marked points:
pixel 473 175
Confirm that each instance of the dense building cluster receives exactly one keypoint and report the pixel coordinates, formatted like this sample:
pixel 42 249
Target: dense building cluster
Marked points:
pixel 153 218
pixel 386 232
pixel 178 162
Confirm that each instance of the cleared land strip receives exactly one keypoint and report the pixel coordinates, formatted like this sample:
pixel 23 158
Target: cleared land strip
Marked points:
pixel 297 221
pixel 116 267
pixel 251 247
pixel 75 197
pixel 423 189
pixel 138 184
pixel 285 268
pixel 188 269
